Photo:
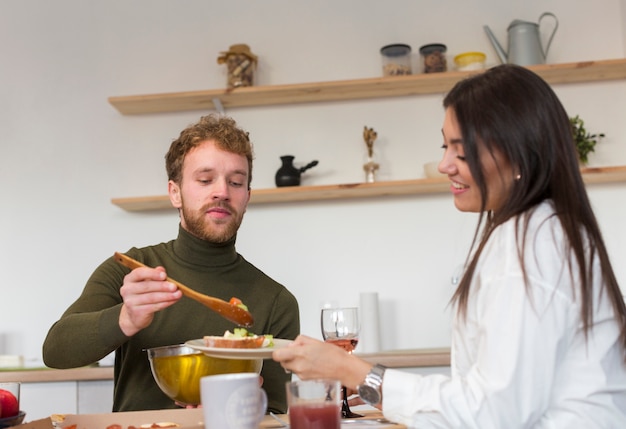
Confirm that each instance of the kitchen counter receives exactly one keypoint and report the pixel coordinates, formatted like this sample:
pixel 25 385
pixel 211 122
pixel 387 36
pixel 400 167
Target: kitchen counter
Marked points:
pixel 39 375
pixel 392 359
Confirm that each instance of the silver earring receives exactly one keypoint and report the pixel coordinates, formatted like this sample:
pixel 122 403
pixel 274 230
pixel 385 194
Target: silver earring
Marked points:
pixel 519 176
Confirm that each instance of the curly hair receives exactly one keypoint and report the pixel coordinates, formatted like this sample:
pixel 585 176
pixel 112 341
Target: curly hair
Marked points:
pixel 223 130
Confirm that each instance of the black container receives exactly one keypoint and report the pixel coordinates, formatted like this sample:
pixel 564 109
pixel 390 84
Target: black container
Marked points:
pixel 288 174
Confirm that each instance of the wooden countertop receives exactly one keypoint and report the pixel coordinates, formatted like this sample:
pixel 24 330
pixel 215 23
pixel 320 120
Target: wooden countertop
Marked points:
pixel 391 359
pixel 40 375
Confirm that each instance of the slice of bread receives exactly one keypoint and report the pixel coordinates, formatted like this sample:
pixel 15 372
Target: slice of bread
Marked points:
pixel 250 342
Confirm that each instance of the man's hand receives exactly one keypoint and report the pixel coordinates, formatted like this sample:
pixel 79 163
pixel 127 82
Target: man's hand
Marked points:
pixel 145 291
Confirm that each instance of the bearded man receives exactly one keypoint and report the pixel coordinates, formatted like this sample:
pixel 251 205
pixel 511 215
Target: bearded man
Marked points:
pixel 209 170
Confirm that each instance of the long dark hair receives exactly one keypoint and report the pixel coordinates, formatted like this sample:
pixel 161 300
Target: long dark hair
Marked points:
pixel 511 111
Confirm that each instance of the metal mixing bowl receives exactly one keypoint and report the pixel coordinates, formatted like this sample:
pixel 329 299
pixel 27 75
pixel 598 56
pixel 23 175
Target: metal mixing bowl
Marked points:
pixel 178 369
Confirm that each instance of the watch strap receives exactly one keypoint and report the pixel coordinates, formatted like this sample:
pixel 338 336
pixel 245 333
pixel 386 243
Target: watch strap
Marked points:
pixel 371 390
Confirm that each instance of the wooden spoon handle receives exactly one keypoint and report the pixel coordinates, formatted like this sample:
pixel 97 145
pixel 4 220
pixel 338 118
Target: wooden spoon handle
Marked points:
pixel 131 263
pixel 231 312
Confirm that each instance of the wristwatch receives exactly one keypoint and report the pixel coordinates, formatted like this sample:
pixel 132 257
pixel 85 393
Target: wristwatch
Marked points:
pixel 371 391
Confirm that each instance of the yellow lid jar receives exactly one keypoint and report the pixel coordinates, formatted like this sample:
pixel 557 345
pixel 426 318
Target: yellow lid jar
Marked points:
pixel 470 61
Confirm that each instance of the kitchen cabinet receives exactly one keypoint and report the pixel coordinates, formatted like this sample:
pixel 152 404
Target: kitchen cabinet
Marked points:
pixel 48 391
pixel 41 400
pixel 357 89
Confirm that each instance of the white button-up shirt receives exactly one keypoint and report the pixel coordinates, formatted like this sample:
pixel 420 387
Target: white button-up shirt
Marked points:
pixel 521 358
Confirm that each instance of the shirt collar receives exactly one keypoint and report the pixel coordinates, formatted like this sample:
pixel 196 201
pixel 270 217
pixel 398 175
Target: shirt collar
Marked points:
pixel 197 251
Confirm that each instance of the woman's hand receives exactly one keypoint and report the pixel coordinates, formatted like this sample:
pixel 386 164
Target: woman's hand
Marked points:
pixel 309 359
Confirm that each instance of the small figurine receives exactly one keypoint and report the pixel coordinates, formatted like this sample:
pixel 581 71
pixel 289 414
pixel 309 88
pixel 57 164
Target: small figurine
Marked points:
pixel 369 135
pixel 241 63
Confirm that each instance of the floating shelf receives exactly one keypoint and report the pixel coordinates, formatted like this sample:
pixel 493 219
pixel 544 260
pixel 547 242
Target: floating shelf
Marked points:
pixel 357 89
pixel 292 194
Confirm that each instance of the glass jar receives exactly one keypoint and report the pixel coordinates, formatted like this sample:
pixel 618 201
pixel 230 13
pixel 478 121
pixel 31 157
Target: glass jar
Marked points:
pixel 470 61
pixel 434 58
pixel 396 59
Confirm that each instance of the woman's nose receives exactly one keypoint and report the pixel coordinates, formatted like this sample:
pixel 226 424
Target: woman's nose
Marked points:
pixel 443 167
pixel 447 166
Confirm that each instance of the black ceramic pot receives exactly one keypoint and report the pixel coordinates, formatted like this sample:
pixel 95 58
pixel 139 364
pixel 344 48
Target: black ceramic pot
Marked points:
pixel 288 174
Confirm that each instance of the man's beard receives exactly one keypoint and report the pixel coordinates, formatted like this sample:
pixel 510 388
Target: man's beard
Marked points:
pixel 197 223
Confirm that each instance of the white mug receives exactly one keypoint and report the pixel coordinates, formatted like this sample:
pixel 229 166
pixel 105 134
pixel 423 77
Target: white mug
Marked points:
pixel 232 401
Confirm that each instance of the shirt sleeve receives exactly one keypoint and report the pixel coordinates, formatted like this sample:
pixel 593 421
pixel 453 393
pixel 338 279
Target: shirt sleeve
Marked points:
pixel 504 354
pixel 89 329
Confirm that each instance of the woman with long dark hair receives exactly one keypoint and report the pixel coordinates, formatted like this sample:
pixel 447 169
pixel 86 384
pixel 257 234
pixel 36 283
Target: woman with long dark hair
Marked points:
pixel 539 334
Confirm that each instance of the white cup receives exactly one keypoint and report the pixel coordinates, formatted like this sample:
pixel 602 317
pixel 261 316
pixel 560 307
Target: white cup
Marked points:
pixel 232 401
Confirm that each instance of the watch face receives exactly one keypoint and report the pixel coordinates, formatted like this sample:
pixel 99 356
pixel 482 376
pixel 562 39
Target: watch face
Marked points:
pixel 369 394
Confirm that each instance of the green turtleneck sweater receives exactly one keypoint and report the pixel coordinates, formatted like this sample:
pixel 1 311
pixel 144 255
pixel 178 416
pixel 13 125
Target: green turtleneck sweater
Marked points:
pixel 89 328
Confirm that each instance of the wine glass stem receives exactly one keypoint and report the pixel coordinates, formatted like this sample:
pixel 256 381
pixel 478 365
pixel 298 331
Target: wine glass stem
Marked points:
pixel 346 413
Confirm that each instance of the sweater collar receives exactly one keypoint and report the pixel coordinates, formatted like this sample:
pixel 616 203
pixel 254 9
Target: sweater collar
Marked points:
pixel 197 251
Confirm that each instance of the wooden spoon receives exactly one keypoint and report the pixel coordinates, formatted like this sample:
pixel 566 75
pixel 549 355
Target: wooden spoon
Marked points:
pixel 228 311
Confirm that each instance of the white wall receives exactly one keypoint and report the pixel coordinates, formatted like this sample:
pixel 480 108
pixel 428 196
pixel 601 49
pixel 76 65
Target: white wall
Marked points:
pixel 623 9
pixel 65 151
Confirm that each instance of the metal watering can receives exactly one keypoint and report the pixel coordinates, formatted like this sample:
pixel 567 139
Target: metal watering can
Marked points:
pixel 525 47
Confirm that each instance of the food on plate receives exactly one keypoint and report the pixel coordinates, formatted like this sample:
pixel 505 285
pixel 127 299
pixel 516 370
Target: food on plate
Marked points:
pixel 240 338
pixel 8 404
pixel 57 419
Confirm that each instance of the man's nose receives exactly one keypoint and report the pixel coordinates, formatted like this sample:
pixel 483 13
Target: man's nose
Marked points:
pixel 220 190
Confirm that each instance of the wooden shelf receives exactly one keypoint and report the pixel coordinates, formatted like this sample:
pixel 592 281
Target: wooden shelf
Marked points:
pixel 409 358
pixel 433 83
pixel 350 90
pixel 292 194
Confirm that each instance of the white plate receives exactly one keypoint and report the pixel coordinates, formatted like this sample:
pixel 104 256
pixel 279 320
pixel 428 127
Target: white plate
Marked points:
pixel 260 353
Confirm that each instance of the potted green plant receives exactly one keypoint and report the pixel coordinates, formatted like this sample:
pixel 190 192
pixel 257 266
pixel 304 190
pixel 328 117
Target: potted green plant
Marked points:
pixel 585 141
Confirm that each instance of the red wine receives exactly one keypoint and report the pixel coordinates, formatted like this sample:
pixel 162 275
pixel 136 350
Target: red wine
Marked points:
pixel 315 416
pixel 348 344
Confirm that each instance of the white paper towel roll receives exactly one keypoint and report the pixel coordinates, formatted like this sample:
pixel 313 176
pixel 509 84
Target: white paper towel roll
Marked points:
pixel 369 338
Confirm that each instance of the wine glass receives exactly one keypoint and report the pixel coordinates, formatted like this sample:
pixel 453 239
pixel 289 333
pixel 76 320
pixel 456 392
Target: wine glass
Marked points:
pixel 340 326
